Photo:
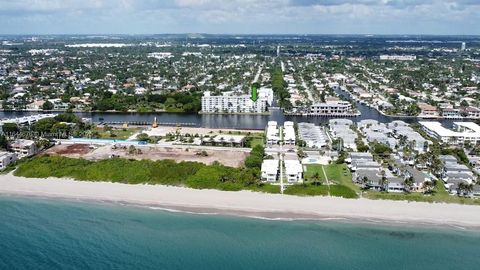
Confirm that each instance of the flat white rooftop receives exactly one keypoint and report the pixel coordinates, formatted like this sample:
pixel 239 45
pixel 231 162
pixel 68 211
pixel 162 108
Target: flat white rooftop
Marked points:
pixel 270 166
pixel 437 128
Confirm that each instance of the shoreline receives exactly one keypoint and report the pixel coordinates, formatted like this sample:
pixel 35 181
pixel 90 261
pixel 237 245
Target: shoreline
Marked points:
pixel 247 204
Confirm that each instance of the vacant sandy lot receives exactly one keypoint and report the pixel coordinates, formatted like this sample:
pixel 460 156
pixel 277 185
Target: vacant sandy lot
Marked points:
pixel 70 150
pixel 231 158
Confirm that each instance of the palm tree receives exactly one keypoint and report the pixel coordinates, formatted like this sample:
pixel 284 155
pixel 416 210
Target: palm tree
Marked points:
pixel 383 181
pixel 408 183
pixel 428 187
pixel 464 188
pixel 365 182
pixel 316 179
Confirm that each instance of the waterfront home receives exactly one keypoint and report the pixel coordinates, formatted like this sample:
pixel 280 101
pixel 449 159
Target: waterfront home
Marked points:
pixel 293 171
pixel 461 133
pixel 269 170
pixel 368 179
pixel 272 133
pixel 451 113
pixel 289 137
pixel 471 112
pixel 395 184
pixel 428 110
pixel 24 148
pixel 7 158
pixel 419 178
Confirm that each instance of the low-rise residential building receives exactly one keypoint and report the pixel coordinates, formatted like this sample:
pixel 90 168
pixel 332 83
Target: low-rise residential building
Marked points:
pixel 7 158
pixel 269 170
pixel 272 133
pixel 451 113
pixel 293 171
pixel 312 135
pixel 24 148
pixel 461 133
pixel 472 112
pixel 341 129
pixel 427 109
pixel 289 137
pixel 331 108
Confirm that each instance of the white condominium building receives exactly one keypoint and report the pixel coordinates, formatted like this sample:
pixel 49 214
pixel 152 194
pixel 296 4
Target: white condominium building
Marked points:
pixel 270 170
pixel 6 158
pixel 331 107
pixel 462 132
pixel 398 57
pixel 289 133
pixel 24 148
pixel 272 133
pixel 293 171
pixel 228 103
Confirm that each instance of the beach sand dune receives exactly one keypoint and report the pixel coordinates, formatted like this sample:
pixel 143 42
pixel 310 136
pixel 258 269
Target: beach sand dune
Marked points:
pixel 246 203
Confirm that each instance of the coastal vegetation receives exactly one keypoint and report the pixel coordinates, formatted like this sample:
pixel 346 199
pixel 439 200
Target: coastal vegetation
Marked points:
pixel 165 172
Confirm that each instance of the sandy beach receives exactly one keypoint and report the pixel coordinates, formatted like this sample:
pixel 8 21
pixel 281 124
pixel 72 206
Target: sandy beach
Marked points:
pixel 246 203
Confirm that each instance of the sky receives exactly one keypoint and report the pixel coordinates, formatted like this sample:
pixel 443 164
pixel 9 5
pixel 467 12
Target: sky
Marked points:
pixel 446 17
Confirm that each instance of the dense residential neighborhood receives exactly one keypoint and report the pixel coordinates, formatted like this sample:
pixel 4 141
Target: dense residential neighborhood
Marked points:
pixel 392 121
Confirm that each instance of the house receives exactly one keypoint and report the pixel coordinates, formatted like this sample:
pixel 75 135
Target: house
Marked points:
pixel 451 113
pixel 269 170
pixel 7 158
pixel 428 110
pixel 293 171
pixel 24 148
pixel 471 112
pixel 368 179
pixel 395 184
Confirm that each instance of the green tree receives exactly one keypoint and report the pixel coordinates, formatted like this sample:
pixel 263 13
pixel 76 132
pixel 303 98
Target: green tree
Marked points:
pixel 47 106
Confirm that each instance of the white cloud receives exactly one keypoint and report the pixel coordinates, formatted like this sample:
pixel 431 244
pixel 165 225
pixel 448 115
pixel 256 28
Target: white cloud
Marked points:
pixel 253 16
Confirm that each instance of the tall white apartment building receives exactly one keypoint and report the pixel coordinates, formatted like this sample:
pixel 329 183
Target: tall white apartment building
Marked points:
pixel 398 57
pixel 228 103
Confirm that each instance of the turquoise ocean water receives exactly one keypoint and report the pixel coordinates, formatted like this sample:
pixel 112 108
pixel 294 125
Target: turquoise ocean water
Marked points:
pixel 56 234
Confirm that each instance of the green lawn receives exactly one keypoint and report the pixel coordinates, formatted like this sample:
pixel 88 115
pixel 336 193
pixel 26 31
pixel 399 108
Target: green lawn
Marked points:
pixel 339 178
pixel 256 141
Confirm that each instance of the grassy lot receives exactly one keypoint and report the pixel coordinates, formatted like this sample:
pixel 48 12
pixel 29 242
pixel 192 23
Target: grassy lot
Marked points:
pixel 119 134
pixel 257 141
pixel 439 195
pixel 339 179
pixel 307 190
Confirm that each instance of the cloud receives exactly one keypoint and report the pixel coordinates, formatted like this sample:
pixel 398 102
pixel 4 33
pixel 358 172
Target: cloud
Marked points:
pixel 245 16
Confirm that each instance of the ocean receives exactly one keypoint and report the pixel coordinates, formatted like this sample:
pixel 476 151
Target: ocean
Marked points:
pixel 55 234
